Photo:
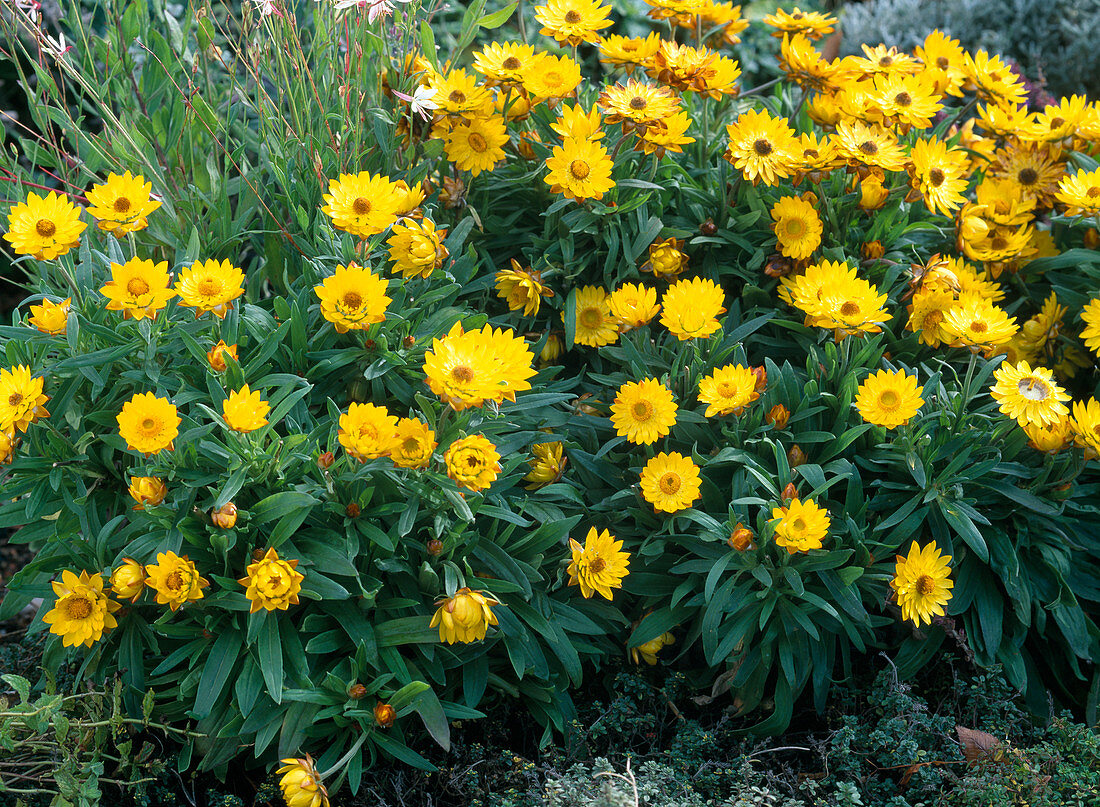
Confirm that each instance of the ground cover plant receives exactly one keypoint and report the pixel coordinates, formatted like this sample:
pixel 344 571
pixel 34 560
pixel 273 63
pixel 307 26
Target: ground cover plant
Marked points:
pixel 381 363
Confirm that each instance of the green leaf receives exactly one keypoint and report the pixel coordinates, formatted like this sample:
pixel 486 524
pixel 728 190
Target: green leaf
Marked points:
pixel 497 18
pixel 219 666
pixel 270 649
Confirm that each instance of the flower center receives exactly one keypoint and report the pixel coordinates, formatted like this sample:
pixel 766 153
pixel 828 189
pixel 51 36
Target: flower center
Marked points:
pixel 78 608
pixel 799 524
pixel 174 581
pixel 727 389
pixel 473 460
pixel 579 169
pixel 1092 192
pixel 149 425
pixel 511 63
pixel 936 177
pixel 925 584
pixel 885 61
pixel 903 99
pixel 1028 176
pixel 121 205
pixel 933 319
pixel 942 63
pixel 591 318
pixel 352 299
pixel 849 309
pixel 637 102
pixel 1034 389
pixel 209 286
pixel 977 326
pixel 597 565
pixel 15 399
pixel 462 374
pixel 795 228
pixel 572 16
pixel 670 483
pixel 477 142
pixel 457 97
pixel 869 147
pixel 361 206
pixel 998 243
pixel 45 228
pixel 888 399
pixel 643 410
pixel 410 446
pixel 762 147
pixel 137 286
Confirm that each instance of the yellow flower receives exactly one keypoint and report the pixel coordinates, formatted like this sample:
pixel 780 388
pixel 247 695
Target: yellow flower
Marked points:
pixel 579 169
pixel 629 53
pixel 1086 424
pixel 409 199
pixel 813 24
pixel 414 442
pixel 1051 438
pixel 128 580
pixel 763 148
pixel 643 411
pixel 271 583
pixel 906 100
pixel 571 22
pixel 210 286
pixel 22 401
pixel 547 465
pixel 683 67
pixel 1032 169
pixel 1090 315
pixel 50 317
pixel 138 288
pixel 175 579
pixel 363 204
pixel 44 227
pixel 503 62
pixel 215 357
pixel 665 258
pixel 797 227
pixel 801 527
pixel 926 314
pixel 147 491
pixel 599 565
pixel 82 612
pixel 472 462
pixel 938 174
pixel 465 369
pixel 353 298
pixel 637 105
pixel 804 65
pixel 849 308
pixel 122 203
pixel 647 651
pixel 804 291
pixel 1080 193
pixel 593 324
pixel 301 784
pixel 416 248
pixel 458 94
pixel 668 135
pixel 670 482
pixel 889 399
pixel 690 308
pixel 978 323
pixel 367 431
pixel 943 59
pixel 148 424
pixel 465 617
pixel 550 77
pixel 578 122
pixel 476 145
pixel 993 79
pixel 922 583
pixel 869 145
pixel 1030 396
pixel 244 411
pixel 521 288
pixel 633 305
pixel 728 390
pixel 7 447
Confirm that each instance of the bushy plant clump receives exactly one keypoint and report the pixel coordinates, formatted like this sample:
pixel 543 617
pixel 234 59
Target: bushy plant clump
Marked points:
pixel 382 363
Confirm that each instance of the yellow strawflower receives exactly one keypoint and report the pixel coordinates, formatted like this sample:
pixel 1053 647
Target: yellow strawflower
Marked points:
pixel 922 583
pixel 889 399
pixel 301 784
pixel 175 579
pixel 547 464
pixel 82 612
pixel 643 411
pixel 598 566
pixel 353 298
pixel 414 442
pixel 50 317
pixel 728 390
pixel 122 203
pixel 272 583
pixel 367 431
pixel 472 462
pixel 244 410
pixel 1031 396
pixel 147 491
pixel 690 308
pixel 363 204
pixel 802 526
pixel 128 580
pixel 521 288
pixel 210 286
pixel 465 617
pixel 44 227
pixel 416 248
pixel 22 401
pixel 670 482
pixel 148 424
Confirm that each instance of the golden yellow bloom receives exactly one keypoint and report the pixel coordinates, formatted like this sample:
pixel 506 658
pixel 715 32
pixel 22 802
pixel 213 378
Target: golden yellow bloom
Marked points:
pixel 797 227
pixel 993 79
pixel 148 424
pixel 1058 123
pixel 147 491
pixel 50 317
pixel 643 411
pixel 44 227
pixel 647 651
pixel 465 617
pixel 580 170
pixel 244 410
pixel 1031 396
pixel 414 442
pixel 128 580
pixel 7 447
pixel 1086 424
pixel 416 248
pixel 138 288
pixel 571 22
pixel 458 94
pixel 1051 438
pixel 367 431
pixel 804 65
pixel 465 369
pixel 594 326
pixel 122 203
pixel 598 566
pixel 578 122
pixel 224 517
pixel 805 290
pixel 1080 193
pixel 82 612
pixel 667 135
pixel 882 60
pixel 175 579
pixel 906 100
pixel 1090 315
pixel 301 784
pixel 504 62
pixel 682 67
pixel 353 298
pixel 802 526
pixel 978 323
pixel 889 399
pixel 384 715
pixel 944 61
pixel 938 175
pixel 728 390
pixel 690 308
pixel 521 288
pixel 762 147
pixel 637 105
pixel 849 308
pixel 670 482
pixel 550 78
pixel 633 305
pixel 869 145
pixel 363 204
pixel 22 401
pixel 813 24
pixel 922 583
pixel 666 258
pixel 926 313
pixel 216 356
pixel 409 198
pixel 472 462
pixel 476 145
pixel 210 286
pixel 629 53
pixel 271 583
pixel 547 465
pixel 1032 169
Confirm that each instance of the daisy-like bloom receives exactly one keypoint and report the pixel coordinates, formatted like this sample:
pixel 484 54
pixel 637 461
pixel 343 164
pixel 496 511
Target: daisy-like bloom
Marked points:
pixel 633 305
pixel 643 411
pixel 409 199
pixel 22 401
pixel 551 78
pixel 1080 193
pixel 889 399
pixel 465 369
pixel 763 148
pixel 413 444
pixel 804 65
pixel 138 288
pixel 690 308
pixel 721 80
pixel 805 290
pixel 666 258
pixel 82 612
pixel 128 580
pixel 571 22
pixel 978 323
pixel 1044 327
pixel 824 109
pixel 271 583
pixel 802 525
pixel 44 227
pixel 881 60
pixel 797 227
pixel 458 94
pixel 1051 438
pixel 647 651
pixel 993 79
pixel 578 122
pixel 363 204
pixel 637 105
pixel 353 298
pixel 670 482
pixel 1086 424
pixel 476 145
pixel 1000 245
pixel 594 326
pixel 1033 170
pixel 50 317
pixel 521 288
pixel 1007 121
pixel 148 424
pixel 926 314
pixel 547 465
pixel 210 286
pixel 367 431
pixel 629 53
pixel 1090 315
pixel 937 174
pixel 175 579
pixel 465 617
pixel 944 61
pixel 668 135
pixel 814 158
pixel 869 146
pixel 217 355
pixel 598 566
pixel 1031 396
pixel 728 390
pixel 580 170
pixel 850 308
pixel 682 67
pixel 472 462
pixel 147 491
pixel 416 248
pixel 907 100
pixel 301 784
pixel 922 583
pixel 121 204
pixel 813 24
pixel 504 63
pixel 244 410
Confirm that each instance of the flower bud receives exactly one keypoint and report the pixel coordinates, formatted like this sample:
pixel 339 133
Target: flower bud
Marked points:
pixel 128 580
pixel 974 228
pixel 215 357
pixel 408 342
pixel 796 456
pixel 324 462
pixel 761 378
pixel 147 490
pixel 708 227
pixel 741 538
pixel 872 194
pixel 357 691
pixel 790 492
pixel 551 350
pixel 370 344
pixel 1092 238
pixel 225 516
pixel 872 250
pixel 353 510
pixel 384 715
pixel 778 416
pixel 1061 492
pixel 435 547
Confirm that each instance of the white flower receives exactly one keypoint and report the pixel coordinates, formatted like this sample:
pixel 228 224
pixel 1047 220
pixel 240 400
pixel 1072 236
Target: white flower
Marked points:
pixel 267 8
pixel 420 101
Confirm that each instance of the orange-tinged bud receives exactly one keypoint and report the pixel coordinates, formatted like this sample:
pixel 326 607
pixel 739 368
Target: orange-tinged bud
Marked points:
pixel 408 342
pixel 790 492
pixel 353 510
pixel 225 516
pixel 778 416
pixel 324 462
pixel 708 227
pixel 147 491
pixel 796 456
pixel 1092 238
pixel 872 194
pixel 357 691
pixel 384 715
pixel 435 547
pixel 761 378
pixel 741 538
pixel 215 357
pixel 872 250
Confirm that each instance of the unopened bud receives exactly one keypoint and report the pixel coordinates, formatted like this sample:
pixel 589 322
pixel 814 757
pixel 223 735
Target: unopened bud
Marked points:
pixel 357 691
pixel 435 547
pixel 873 250
pixel 352 510
pixel 796 456
pixel 324 462
pixel 761 378
pixel 1092 238
pixel 225 516
pixel 741 538
pixel 790 492
pixel 384 715
pixel 408 342
pixel 778 416
pixel 708 227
